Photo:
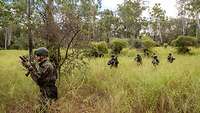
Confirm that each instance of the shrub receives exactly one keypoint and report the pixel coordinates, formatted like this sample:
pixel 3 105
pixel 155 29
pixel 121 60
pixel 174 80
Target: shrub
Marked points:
pixel 183 42
pixel 98 49
pixel 102 47
pixel 186 41
pixel 118 44
pixel 128 52
pixel 148 42
pixel 145 42
pixel 136 43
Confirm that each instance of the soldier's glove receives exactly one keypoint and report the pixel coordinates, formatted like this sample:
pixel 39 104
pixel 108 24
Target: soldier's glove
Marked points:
pixel 27 65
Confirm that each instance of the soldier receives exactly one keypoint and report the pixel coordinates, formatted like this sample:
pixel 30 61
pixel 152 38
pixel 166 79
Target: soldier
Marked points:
pixel 116 61
pixel 155 60
pixel 146 52
pixel 170 58
pixel 138 59
pixel 44 75
pixel 113 62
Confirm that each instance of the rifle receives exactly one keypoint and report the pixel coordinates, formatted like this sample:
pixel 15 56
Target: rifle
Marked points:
pixel 25 60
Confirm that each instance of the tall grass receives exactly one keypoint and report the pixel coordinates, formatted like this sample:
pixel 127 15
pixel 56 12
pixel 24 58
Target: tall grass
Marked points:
pixel 170 88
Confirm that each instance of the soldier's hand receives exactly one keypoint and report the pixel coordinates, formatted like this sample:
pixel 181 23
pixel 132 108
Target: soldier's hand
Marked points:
pixel 25 64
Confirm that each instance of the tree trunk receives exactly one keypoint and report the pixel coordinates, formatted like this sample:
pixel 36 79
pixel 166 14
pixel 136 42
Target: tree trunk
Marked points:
pixel 6 38
pixel 30 44
pixel 9 35
pixel 159 31
pixel 198 26
pixel 183 25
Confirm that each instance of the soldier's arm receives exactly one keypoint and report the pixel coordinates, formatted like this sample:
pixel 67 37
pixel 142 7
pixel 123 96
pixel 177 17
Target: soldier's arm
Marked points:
pixel 34 74
pixel 47 74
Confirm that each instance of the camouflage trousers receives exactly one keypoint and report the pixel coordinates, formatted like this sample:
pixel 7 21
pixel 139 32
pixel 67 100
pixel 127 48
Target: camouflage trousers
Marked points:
pixel 48 95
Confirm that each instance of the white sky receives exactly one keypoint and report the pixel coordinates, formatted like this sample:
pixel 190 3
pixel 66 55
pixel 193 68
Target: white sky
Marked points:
pixel 168 5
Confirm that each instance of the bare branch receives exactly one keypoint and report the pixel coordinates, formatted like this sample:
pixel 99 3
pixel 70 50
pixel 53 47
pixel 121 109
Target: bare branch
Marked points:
pixel 68 47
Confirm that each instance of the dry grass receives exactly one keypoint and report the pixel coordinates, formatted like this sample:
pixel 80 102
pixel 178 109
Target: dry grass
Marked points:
pixel 171 88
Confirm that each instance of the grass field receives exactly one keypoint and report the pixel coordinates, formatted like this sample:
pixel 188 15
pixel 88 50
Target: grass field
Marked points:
pixel 171 88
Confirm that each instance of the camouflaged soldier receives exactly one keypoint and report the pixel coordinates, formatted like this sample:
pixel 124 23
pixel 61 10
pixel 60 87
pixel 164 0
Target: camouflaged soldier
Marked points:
pixel 155 60
pixel 138 59
pixel 44 75
pixel 170 58
pixel 146 52
pixel 113 62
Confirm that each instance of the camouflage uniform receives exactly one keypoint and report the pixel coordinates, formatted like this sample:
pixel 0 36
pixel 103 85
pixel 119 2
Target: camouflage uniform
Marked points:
pixel 170 58
pixel 155 60
pixel 138 59
pixel 113 62
pixel 44 74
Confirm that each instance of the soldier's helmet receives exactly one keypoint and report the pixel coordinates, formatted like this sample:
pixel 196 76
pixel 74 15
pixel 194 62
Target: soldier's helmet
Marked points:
pixel 155 56
pixel 170 54
pixel 42 51
pixel 112 56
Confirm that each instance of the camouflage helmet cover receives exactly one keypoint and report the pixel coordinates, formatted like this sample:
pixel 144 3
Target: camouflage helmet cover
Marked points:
pixel 42 51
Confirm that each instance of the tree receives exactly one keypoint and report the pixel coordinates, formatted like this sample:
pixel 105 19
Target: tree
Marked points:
pixel 107 24
pixel 67 32
pixel 158 19
pixel 193 7
pixel 88 10
pixel 183 14
pixel 6 22
pixel 130 15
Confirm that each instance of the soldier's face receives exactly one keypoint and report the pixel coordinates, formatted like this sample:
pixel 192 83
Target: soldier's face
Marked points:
pixel 38 58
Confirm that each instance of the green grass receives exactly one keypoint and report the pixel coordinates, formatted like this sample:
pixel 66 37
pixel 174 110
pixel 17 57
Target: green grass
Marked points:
pixel 171 88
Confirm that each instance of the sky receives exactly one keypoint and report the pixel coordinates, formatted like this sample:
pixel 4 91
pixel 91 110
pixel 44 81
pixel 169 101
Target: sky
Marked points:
pixel 168 5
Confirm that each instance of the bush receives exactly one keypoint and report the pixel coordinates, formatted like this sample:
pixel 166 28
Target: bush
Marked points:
pixel 19 42
pixel 98 49
pixel 118 44
pixel 145 42
pixel 136 43
pixel 128 52
pixel 148 42
pixel 183 42
pixel 183 50
pixel 186 41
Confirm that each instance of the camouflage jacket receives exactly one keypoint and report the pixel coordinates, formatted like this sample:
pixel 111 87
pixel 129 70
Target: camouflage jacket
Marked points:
pixel 44 73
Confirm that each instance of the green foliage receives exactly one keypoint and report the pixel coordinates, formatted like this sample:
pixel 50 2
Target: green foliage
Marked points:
pixel 130 89
pixel 118 44
pixel 148 42
pixel 130 13
pixel 128 52
pixel 183 42
pixel 98 48
pixel 136 43
pixel 20 42
pixel 183 50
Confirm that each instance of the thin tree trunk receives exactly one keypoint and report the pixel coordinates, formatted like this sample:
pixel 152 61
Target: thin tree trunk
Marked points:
pixel 183 25
pixel 29 30
pixel 6 38
pixel 159 31
pixel 198 26
pixel 9 35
